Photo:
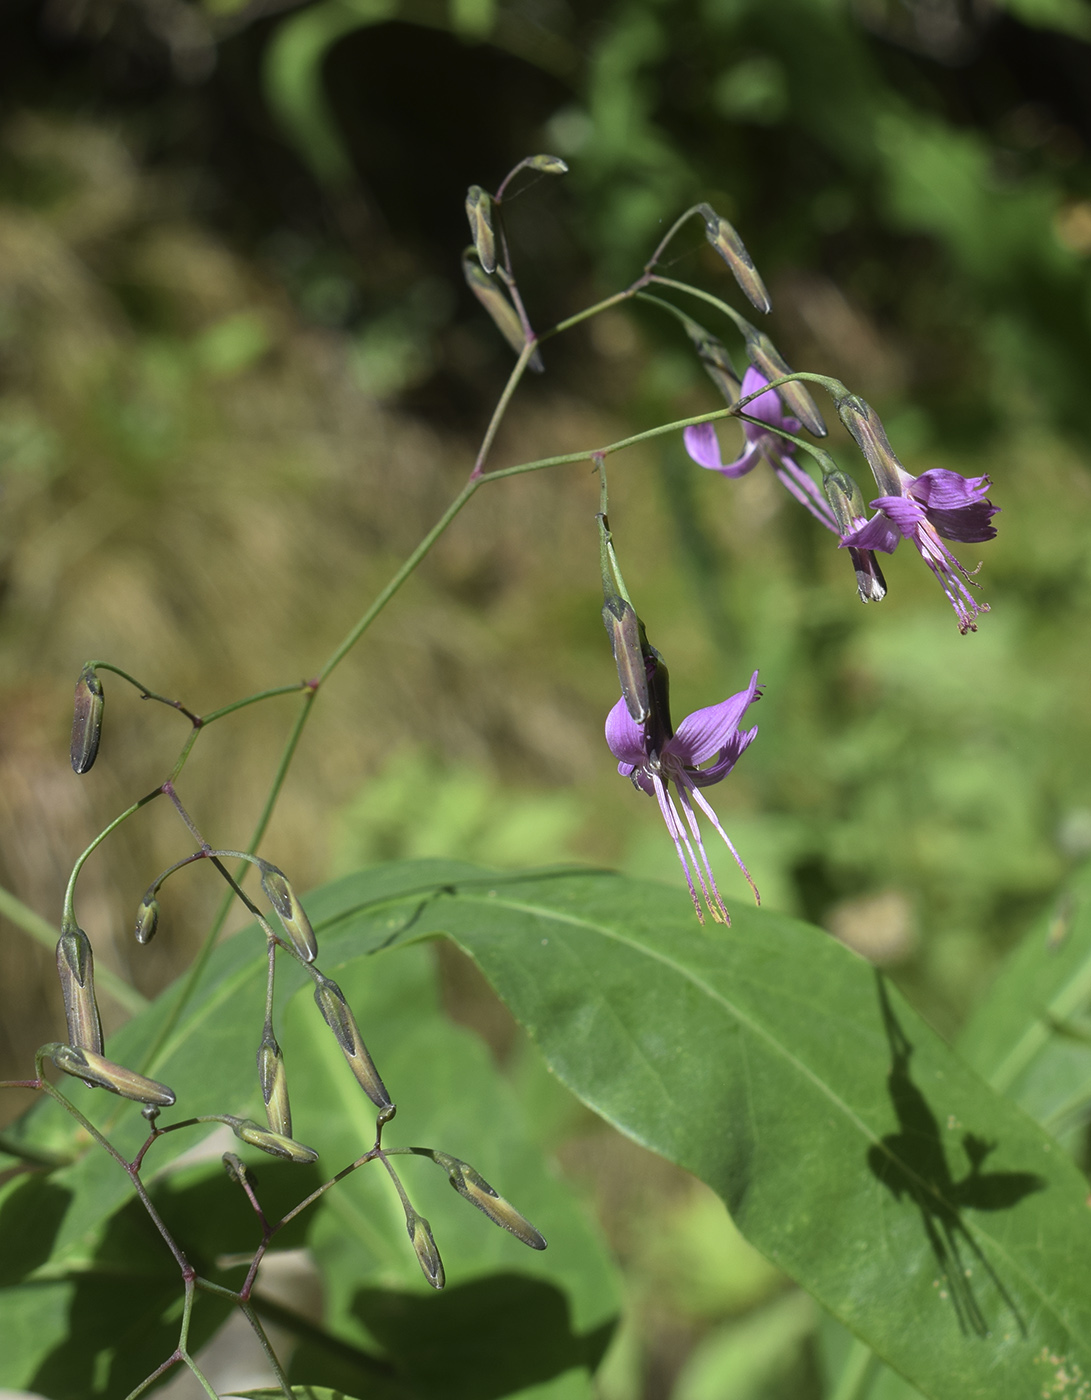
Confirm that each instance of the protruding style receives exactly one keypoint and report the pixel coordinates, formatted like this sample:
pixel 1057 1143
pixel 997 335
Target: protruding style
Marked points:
pixel 289 911
pixel 274 1085
pixel 496 303
pixel 479 212
pixel 104 1074
pixel 275 1144
pixel 471 1184
pixel 725 239
pixel 87 720
pixel 76 970
pixel 337 1015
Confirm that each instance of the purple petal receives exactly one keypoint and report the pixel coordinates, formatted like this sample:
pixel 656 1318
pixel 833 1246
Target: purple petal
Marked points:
pixel 970 524
pixel 708 732
pixel 728 757
pixel 703 446
pixel 768 406
pixel 625 737
pixel 792 476
pixel 940 489
pixel 878 533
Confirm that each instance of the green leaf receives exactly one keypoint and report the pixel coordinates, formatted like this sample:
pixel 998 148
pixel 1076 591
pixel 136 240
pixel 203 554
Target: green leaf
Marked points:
pixel 853 1147
pixel 552 1312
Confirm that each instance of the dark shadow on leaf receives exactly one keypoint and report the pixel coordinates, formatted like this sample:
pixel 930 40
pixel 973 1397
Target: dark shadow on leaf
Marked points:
pixel 477 1341
pixel 912 1164
pixel 29 1221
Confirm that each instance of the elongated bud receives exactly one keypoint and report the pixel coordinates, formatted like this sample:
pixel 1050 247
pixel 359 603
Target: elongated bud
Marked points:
pixel 87 720
pixel 471 1184
pixel 276 1144
pixel 548 165
pixel 731 248
pixel 147 918
pixel 337 1015
pixel 94 1069
pixel 424 1246
pixel 289 911
pixel 76 969
pixel 479 213
pixel 274 1086
pixel 866 427
pixel 623 627
pixel 849 511
pixel 765 355
pixel 492 298
pixel 716 360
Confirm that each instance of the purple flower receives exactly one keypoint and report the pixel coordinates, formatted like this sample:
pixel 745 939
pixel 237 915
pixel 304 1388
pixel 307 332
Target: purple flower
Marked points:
pixel 938 502
pixel 704 447
pixel 653 755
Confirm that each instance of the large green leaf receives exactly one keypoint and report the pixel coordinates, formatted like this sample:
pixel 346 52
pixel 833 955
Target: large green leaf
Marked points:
pixel 851 1144
pixel 515 1320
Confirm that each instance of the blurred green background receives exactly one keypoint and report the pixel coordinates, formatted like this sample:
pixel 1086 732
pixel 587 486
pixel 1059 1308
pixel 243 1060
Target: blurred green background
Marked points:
pixel 240 376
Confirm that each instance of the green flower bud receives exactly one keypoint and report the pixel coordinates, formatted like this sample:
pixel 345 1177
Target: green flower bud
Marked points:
pixel 866 428
pixel 731 248
pixel 424 1246
pixel 623 627
pixel 475 1188
pixel 503 314
pixel 765 355
pixel 289 911
pixel 94 1069
pixel 336 1014
pixel 716 360
pixel 76 969
pixel 274 1086
pixel 479 213
pixel 276 1144
pixel 87 720
pixel 548 165
pixel 147 918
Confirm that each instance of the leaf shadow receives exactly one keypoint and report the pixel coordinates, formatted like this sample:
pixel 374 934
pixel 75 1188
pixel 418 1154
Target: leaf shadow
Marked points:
pixel 912 1164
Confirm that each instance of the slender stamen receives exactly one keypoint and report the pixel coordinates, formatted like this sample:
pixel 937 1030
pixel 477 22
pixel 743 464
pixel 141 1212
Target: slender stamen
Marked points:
pixel 715 907
pixel 719 913
pixel 671 820
pixel 714 819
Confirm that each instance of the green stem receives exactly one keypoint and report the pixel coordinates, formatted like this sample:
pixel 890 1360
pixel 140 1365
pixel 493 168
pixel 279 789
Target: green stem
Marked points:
pixel 722 306
pixel 270 1355
pixel 502 405
pixel 43 932
pixel 253 700
pixel 145 693
pixel 69 895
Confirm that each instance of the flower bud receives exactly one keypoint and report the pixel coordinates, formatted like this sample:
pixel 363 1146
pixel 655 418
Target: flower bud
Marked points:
pixel 548 165
pixel 147 918
pixel 424 1246
pixel 475 1188
pixel 766 357
pixel 849 511
pixel 479 213
pixel 731 248
pixel 498 306
pixel 76 969
pixel 716 361
pixel 94 1069
pixel 289 911
pixel 86 720
pixel 274 1086
pixel 623 627
pixel 865 426
pixel 336 1014
pixel 276 1144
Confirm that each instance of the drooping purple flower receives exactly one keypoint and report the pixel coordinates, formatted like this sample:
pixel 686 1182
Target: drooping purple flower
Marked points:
pixel 936 503
pixel 654 755
pixel 703 446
